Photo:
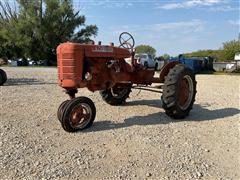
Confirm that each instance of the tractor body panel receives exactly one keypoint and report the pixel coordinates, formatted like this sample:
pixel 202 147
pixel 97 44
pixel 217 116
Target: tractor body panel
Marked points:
pixel 165 70
pixel 70 64
pixel 72 61
pixel 105 51
pixel 99 67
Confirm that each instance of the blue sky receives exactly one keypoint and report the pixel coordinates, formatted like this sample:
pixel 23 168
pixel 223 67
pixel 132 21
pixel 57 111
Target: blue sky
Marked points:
pixel 169 26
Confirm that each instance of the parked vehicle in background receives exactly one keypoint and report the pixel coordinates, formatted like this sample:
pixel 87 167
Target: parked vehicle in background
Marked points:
pixel 18 62
pixel 42 62
pixel 32 63
pixel 9 61
pixel 237 57
pixel 146 60
pixel 160 61
pixel 197 64
pixel 225 66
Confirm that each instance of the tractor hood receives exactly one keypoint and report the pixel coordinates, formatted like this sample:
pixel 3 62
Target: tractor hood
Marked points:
pixel 90 50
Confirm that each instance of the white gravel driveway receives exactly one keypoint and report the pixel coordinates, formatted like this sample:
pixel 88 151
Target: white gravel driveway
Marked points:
pixel 133 141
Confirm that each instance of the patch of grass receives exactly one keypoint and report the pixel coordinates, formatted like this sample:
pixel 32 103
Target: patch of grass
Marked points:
pixel 227 73
pixel 220 73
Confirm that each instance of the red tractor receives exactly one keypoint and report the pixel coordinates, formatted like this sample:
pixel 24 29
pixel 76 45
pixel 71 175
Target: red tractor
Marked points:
pixel 104 68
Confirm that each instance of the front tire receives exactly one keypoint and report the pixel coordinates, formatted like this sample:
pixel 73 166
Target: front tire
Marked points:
pixel 3 77
pixel 60 109
pixel 115 95
pixel 78 114
pixel 179 92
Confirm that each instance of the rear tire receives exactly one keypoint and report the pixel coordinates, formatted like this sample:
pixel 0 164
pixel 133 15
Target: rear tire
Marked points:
pixel 3 77
pixel 179 92
pixel 78 114
pixel 115 96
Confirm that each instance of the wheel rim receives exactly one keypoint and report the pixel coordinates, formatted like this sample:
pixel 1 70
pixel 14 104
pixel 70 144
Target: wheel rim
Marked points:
pixel 119 92
pixel 80 116
pixel 186 92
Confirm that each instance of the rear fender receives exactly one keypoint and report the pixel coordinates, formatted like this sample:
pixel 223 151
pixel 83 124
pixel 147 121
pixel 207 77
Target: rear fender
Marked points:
pixel 166 68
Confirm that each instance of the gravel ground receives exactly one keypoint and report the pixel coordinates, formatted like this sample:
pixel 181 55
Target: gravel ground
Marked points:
pixel 133 141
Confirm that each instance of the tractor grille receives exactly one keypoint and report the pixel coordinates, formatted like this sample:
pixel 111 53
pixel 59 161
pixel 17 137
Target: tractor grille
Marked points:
pixel 70 64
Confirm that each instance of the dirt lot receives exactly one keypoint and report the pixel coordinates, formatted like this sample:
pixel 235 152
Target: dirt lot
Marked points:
pixel 134 141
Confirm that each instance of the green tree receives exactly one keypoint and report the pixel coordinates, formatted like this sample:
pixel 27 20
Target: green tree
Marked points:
pixel 216 54
pixel 8 20
pixel 166 56
pixel 226 53
pixel 37 27
pixel 145 49
pixel 230 48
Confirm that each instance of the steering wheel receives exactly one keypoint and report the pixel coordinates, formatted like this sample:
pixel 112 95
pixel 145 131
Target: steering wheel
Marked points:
pixel 126 40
